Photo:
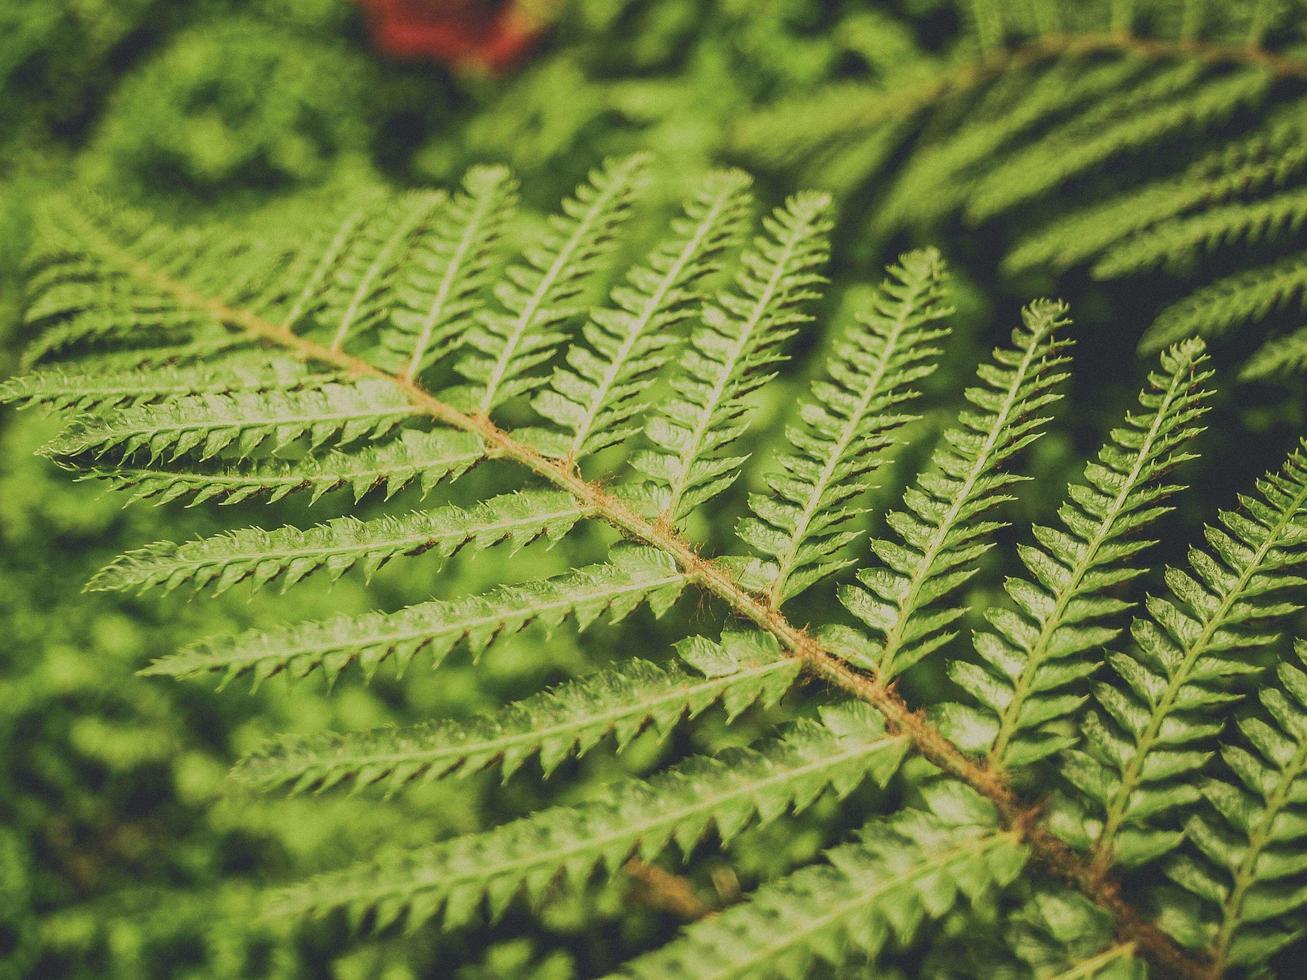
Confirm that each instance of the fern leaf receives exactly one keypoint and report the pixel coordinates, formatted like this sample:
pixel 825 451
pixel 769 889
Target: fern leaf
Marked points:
pixel 1032 655
pixel 427 457
pixel 291 555
pixel 937 178
pixel 365 276
pixel 1172 102
pixel 728 357
pixel 207 424
pixel 1058 934
pixel 1279 357
pixel 144 326
pixel 595 396
pixel 565 722
pixel 940 531
pixel 802 524
pixel 1151 733
pixel 1247 861
pixel 1176 241
pixel 905 870
pixel 1230 302
pixel 727 792
pixel 62 388
pixel 316 262
pixel 1268 157
pixel 438 288
pixel 506 345
pixel 632 576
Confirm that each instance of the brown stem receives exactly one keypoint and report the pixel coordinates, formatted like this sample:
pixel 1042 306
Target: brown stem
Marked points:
pixel 1047 850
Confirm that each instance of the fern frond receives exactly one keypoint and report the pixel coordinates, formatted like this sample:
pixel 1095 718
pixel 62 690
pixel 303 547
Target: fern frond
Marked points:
pixel 565 722
pixel 594 398
pixel 365 275
pixel 207 424
pixel 1060 935
pixel 1176 241
pixel 438 288
pixel 729 355
pixel 801 525
pixel 1267 158
pixel 1279 357
pixel 506 344
pixel 726 792
pixel 1150 734
pixel 632 576
pixel 937 178
pixel 290 554
pixel 87 390
pixel 142 325
pixel 308 278
pixel 426 457
pixel 1227 303
pixel 95 261
pixel 1034 654
pixel 940 532
pixel 904 871
pixel 1171 102
pixel 1249 845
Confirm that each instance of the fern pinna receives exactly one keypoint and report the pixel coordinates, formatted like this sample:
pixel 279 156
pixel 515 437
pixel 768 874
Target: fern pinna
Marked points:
pixel 1082 789
pixel 1122 136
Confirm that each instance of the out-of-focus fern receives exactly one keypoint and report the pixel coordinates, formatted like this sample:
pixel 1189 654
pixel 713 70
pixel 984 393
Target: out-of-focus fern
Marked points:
pixel 369 386
pixel 1054 117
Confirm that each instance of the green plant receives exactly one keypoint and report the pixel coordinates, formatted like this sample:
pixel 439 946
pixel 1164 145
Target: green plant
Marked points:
pixel 1127 137
pixel 394 348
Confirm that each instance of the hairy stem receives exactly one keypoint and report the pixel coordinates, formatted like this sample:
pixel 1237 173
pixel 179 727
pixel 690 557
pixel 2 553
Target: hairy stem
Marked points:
pixel 1046 849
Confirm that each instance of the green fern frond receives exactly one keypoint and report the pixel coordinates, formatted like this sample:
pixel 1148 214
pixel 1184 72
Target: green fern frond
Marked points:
pixel 309 275
pixel 1060 935
pixel 290 555
pixel 362 280
pixel 1267 158
pixel 508 343
pixel 631 577
pixel 440 285
pixel 87 390
pixel 1279 357
pixel 1169 103
pixel 727 792
pixel 596 395
pixel 152 326
pixel 937 178
pixel 729 355
pixel 205 425
pixel 565 722
pixel 1151 733
pixel 904 871
pixel 1229 302
pixel 1247 859
pixel 1082 129
pixel 1033 655
pixel 940 532
pixel 429 458
pixel 1176 241
pixel 801 525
